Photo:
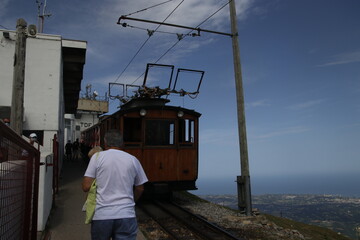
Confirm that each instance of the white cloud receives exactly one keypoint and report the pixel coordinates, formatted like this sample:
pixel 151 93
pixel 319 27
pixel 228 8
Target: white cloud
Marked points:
pixel 343 58
pixel 101 30
pixel 259 103
pixel 307 104
pixel 285 131
pixel 224 137
pixel 189 13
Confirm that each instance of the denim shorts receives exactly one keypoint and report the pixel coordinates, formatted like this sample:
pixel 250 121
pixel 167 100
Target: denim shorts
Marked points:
pixel 117 229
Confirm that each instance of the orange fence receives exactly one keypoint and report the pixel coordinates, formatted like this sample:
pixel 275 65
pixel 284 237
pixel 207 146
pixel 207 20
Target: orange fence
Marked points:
pixel 19 184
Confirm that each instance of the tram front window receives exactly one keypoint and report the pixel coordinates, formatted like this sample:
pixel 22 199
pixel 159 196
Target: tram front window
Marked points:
pixel 132 130
pixel 186 131
pixel 159 132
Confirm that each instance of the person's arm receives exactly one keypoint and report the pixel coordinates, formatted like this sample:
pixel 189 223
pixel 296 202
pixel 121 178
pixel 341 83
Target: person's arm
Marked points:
pixel 138 190
pixel 86 184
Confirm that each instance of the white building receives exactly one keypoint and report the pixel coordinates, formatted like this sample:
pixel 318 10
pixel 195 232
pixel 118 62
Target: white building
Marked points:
pixel 53 75
pixel 88 112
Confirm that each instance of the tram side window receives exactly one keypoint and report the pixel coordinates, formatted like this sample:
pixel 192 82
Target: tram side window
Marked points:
pixel 132 130
pixel 186 131
pixel 159 132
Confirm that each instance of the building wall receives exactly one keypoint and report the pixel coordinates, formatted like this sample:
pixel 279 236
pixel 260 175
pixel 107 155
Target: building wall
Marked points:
pixel 75 124
pixel 84 120
pixel 93 105
pixel 7 48
pixel 45 187
pixel 42 83
pixel 42 91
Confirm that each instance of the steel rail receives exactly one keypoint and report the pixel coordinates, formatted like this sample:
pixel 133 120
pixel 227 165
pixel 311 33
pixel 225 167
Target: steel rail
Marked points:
pixel 210 228
pixel 167 224
pixel 180 223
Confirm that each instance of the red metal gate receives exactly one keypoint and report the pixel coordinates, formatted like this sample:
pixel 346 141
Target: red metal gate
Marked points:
pixel 55 166
pixel 19 186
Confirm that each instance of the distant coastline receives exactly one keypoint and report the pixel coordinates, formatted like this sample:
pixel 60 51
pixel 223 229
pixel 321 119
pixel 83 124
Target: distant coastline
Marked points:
pixel 342 185
pixel 340 214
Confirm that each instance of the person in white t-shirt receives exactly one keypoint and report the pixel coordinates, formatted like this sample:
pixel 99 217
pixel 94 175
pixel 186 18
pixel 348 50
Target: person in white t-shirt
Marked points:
pixel 119 178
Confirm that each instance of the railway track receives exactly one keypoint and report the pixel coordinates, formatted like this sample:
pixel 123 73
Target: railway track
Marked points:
pixel 173 222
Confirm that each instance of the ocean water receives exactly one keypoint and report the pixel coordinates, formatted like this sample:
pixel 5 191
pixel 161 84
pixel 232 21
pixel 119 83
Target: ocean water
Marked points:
pixel 344 185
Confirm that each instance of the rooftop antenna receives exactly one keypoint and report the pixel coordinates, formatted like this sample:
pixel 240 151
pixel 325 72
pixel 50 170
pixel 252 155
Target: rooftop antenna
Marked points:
pixel 88 91
pixel 42 15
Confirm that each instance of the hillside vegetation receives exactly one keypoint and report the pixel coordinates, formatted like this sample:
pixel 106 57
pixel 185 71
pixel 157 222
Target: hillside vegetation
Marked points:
pixel 309 231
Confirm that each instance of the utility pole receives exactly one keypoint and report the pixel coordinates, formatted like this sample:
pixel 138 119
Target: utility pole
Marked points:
pixel 243 181
pixel 17 102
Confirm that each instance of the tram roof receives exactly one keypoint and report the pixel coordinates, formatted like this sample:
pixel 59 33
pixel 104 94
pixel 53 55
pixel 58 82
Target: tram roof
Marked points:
pixel 140 103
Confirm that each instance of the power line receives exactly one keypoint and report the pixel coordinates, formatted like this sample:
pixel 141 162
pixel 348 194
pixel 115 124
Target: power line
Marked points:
pixel 138 51
pixel 179 38
pixel 156 5
pixel 186 35
pixel 213 14
pixel 4 27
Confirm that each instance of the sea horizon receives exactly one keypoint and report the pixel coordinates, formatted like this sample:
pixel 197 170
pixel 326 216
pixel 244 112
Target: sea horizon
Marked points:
pixel 344 185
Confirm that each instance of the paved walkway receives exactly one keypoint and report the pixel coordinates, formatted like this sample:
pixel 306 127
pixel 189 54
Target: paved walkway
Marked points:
pixel 66 221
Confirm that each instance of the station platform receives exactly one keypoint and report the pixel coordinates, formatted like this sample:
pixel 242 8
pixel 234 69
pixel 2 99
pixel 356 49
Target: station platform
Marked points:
pixel 66 220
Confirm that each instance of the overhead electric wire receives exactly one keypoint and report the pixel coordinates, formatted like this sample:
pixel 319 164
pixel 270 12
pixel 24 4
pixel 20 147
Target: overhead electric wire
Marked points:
pixel 168 50
pixel 156 5
pixel 4 27
pixel 132 59
pixel 213 14
pixel 186 35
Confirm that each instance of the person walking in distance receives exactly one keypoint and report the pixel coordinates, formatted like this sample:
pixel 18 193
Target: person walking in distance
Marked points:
pixel 68 150
pixel 75 150
pixel 120 182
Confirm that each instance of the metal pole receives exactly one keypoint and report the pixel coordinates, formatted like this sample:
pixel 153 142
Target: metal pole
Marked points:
pixel 243 182
pixel 17 102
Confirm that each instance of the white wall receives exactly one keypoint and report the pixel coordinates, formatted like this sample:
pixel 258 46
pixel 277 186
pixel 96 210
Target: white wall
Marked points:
pixel 87 120
pixel 45 190
pixel 7 49
pixel 42 83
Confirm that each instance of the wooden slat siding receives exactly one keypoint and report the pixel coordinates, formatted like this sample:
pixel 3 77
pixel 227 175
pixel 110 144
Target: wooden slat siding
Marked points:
pixel 160 165
pixel 174 163
pixel 187 164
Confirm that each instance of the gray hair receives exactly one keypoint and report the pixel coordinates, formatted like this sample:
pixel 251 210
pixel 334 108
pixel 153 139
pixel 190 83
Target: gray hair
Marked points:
pixel 113 138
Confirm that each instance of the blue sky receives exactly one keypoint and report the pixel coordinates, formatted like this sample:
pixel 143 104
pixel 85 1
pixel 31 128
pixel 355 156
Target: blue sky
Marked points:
pixel 300 64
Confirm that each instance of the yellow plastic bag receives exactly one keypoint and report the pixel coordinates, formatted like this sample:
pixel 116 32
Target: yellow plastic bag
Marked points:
pixel 91 203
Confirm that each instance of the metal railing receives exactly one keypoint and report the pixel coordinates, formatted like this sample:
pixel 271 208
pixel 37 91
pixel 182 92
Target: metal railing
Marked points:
pixel 55 166
pixel 19 183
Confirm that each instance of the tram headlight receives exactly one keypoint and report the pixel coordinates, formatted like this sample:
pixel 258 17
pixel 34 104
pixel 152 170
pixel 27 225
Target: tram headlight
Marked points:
pixel 180 114
pixel 142 112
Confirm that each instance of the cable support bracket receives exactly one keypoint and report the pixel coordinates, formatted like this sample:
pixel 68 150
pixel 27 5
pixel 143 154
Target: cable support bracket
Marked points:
pixel 171 25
